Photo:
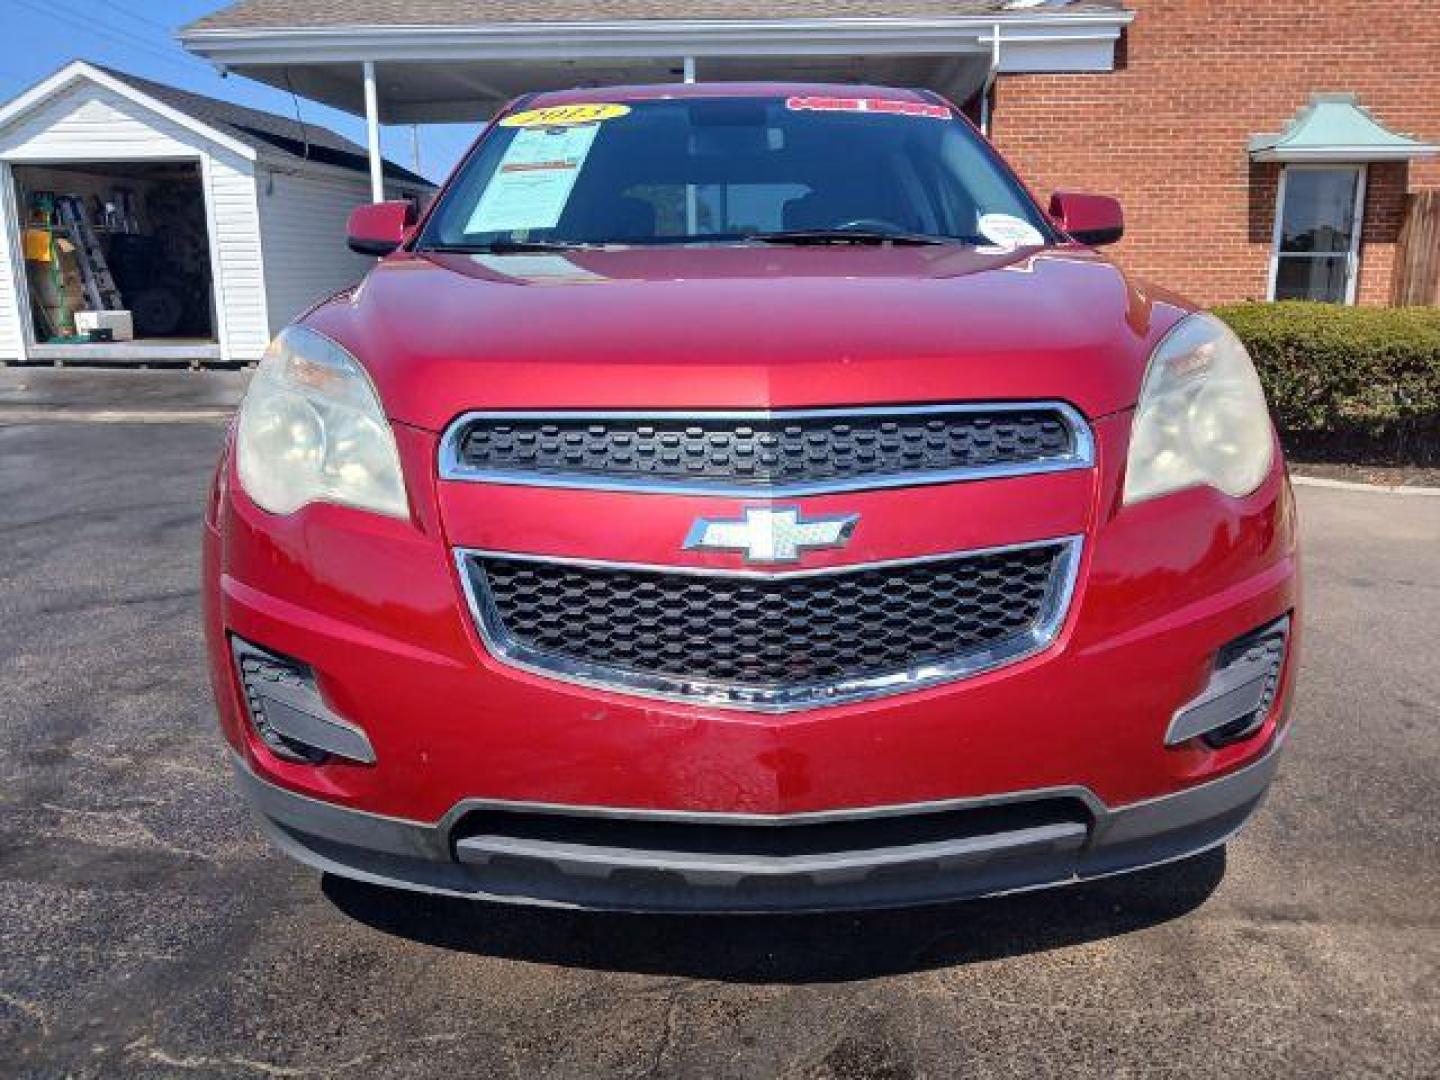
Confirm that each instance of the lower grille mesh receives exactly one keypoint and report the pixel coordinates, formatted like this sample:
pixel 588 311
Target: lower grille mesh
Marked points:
pixel 769 634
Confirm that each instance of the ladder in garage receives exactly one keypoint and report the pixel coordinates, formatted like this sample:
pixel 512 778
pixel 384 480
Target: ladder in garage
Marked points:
pixel 95 276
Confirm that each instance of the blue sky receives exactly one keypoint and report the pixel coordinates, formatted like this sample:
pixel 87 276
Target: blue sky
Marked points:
pixel 138 36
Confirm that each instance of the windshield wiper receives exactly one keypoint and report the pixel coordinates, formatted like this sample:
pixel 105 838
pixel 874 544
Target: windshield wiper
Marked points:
pixel 847 236
pixel 505 247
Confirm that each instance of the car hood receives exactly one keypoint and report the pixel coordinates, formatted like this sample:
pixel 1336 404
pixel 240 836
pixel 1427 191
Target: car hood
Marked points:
pixel 746 328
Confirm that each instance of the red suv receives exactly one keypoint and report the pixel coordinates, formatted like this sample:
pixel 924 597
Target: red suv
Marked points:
pixel 745 497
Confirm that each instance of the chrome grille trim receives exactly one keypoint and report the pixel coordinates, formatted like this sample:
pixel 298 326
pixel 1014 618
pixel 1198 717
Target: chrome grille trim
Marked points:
pixel 453 467
pixel 771 700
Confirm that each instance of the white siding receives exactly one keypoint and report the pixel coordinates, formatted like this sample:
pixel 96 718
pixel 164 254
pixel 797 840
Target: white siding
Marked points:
pixel 302 228
pixel 87 122
pixel 244 323
pixel 12 337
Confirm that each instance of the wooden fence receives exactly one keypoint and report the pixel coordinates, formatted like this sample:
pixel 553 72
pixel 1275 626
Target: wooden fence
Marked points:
pixel 1417 258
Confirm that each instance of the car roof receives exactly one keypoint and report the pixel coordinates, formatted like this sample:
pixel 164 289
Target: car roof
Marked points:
pixel 654 91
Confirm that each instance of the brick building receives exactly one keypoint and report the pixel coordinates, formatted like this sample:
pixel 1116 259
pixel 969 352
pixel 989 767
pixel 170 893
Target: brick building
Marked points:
pixel 1244 138
pixel 1168 130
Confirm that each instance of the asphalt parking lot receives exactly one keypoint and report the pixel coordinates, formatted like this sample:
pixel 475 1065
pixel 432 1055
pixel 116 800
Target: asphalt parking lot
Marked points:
pixel 147 930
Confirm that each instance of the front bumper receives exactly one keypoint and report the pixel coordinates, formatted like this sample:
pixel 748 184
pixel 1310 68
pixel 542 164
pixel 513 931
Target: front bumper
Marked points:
pixel 1071 744
pixel 1054 847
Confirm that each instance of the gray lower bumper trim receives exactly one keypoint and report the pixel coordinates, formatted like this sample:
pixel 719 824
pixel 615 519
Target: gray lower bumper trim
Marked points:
pixel 415 855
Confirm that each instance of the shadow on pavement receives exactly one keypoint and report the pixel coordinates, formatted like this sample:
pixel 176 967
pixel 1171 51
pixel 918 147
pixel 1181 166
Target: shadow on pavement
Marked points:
pixel 789 948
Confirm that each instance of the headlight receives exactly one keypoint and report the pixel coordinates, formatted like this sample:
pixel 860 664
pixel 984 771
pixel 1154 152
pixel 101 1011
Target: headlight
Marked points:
pixel 311 430
pixel 1202 417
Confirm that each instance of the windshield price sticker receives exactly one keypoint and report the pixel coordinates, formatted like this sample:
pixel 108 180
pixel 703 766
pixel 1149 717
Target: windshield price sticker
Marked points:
pixel 534 181
pixel 565 116
pixel 868 105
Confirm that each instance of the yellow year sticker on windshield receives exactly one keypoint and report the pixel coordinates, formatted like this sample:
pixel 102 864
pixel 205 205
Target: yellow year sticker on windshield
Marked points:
pixel 564 115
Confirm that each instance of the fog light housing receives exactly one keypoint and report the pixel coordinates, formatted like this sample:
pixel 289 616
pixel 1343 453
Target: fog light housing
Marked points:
pixel 287 712
pixel 1236 702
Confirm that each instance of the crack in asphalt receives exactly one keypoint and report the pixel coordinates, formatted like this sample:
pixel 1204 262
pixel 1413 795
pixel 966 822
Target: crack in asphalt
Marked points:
pixel 137 827
pixel 264 1068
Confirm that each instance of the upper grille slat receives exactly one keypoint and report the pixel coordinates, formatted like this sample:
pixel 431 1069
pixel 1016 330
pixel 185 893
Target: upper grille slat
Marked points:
pixel 787 453
pixel 772 642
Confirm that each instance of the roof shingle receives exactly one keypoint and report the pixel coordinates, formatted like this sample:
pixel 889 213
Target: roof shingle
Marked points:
pixel 309 14
pixel 267 132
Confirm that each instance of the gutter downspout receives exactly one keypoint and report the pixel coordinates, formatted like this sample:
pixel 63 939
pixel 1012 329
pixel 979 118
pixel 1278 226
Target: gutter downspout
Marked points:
pixel 994 74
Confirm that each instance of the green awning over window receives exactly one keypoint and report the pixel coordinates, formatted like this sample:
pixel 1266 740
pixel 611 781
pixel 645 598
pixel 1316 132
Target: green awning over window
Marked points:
pixel 1332 128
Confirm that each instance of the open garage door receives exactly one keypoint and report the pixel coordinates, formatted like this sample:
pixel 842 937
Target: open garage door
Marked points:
pixel 117 260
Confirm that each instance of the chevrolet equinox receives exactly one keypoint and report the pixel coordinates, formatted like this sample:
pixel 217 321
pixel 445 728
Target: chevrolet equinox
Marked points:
pixel 746 497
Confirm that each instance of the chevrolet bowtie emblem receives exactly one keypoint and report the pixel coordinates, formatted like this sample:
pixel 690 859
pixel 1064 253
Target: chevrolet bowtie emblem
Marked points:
pixel 766 535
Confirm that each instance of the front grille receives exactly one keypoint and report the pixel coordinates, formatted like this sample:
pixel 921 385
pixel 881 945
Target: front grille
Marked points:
pixel 773 642
pixel 792 453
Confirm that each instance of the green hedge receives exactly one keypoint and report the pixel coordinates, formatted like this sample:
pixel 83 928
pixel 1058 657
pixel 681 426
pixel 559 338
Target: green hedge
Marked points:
pixel 1350 382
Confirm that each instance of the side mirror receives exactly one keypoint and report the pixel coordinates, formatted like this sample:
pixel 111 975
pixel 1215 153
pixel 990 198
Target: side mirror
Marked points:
pixel 1095 220
pixel 379 228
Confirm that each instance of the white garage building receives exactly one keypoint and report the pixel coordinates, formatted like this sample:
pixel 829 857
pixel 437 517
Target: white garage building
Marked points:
pixel 220 222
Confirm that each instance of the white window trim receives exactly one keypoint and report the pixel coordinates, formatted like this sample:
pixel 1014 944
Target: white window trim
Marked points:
pixel 1352 275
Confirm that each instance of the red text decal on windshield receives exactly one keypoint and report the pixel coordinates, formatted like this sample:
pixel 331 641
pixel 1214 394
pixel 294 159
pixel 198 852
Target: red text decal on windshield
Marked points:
pixel 868 105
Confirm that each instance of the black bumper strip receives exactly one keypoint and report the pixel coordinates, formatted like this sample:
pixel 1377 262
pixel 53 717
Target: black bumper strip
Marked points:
pixel 425 857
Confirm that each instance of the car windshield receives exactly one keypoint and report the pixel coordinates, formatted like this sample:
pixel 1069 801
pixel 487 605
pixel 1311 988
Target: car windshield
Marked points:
pixel 793 170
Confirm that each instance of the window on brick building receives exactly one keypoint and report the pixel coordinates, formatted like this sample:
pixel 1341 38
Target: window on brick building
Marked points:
pixel 1317 233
